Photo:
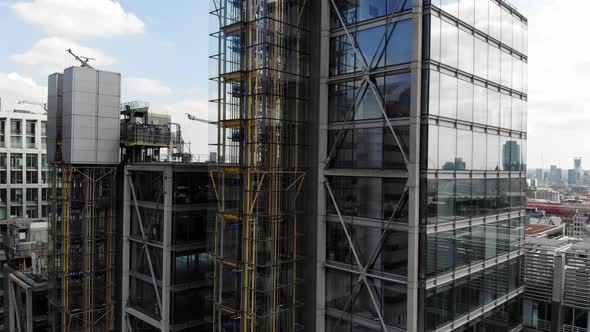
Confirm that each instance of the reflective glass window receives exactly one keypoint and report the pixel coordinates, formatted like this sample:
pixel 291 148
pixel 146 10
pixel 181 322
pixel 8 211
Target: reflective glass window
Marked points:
pixel 467 11
pixel 463 201
pixel 495 26
pixel 434 92
pixel 432 147
pixel 368 9
pixel 342 98
pixel 505 111
pixel 447 148
pixel 462 296
pixel 449 40
pixel 438 307
pixel 399 45
pixel 506 27
pixel 506 78
pixel 479 151
pixel 481 15
pixel 517 114
pixel 466 51
pixel 481 59
pixel 450 6
pixel 370 45
pixel 464 150
pixel 398 95
pixel 480 104
pixel 368 148
pixel 445 200
pixel 393 190
pixel 525 77
pixel 392 156
pixel 491 240
pixel 465 101
pixel 478 194
pixel 344 57
pixel 523 155
pixel 493 108
pixel 448 96
pixel 504 195
pixel 517 34
pixel 516 74
pixel 494 64
pixel 493 152
pixel 342 143
pixel 476 282
pixel 525 38
pixel 368 106
pixel 435 38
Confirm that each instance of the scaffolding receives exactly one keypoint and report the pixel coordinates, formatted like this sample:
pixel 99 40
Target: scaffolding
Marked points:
pixel 261 53
pixel 81 248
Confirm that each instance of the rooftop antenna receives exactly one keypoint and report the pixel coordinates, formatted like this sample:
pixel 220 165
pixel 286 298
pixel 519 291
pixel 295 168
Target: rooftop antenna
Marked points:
pixel 83 60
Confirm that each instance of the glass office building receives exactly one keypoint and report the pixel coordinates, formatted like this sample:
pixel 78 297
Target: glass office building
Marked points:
pixel 424 143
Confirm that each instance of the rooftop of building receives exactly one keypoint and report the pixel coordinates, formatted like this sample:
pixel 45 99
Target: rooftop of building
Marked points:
pixel 539 229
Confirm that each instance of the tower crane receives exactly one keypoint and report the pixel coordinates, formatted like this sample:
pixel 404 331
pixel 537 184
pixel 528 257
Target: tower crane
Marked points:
pixel 194 118
pixel 83 59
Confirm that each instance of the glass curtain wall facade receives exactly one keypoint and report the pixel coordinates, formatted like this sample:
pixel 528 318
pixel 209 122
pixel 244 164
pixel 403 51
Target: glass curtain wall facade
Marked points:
pixel 445 90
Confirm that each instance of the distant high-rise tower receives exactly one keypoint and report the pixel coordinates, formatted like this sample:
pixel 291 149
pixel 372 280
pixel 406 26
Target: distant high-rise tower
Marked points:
pixel 577 162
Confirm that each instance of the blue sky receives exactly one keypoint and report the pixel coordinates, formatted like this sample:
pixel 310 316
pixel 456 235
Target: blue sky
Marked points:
pixel 161 48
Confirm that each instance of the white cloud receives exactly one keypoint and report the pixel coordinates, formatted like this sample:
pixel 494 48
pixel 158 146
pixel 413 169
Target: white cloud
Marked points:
pixel 50 54
pixel 15 87
pixel 559 104
pixel 77 18
pixel 146 87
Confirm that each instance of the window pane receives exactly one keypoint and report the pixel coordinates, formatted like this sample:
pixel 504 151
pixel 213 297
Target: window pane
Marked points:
pixel 449 42
pixel 447 148
pixel 495 64
pixel 465 101
pixel 480 104
pixel 516 74
pixel 432 147
pixel 506 27
pixel 466 11
pixel 506 111
pixel 493 152
pixel 493 108
pixel 517 114
pixel 399 46
pixel 495 20
pixel 464 150
pixel 448 96
pixel 481 58
pixel 434 93
pixel 479 153
pixel 506 78
pixel 481 15
pixel 466 50
pixel 398 95
pixel 450 6
pixel 446 200
pixel 435 38
pixel 368 42
pixel 368 148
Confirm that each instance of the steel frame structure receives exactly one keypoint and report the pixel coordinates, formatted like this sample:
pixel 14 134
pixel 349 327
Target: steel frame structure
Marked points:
pixel 410 155
pixel 262 75
pixel 81 248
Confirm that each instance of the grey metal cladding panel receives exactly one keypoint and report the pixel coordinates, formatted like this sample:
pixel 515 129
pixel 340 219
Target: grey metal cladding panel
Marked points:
pixel 51 128
pixel 108 129
pixel 83 103
pixel 82 151
pixel 108 152
pixel 83 80
pixel 109 83
pixel 109 106
pixel 55 84
pixel 83 127
pixel 66 127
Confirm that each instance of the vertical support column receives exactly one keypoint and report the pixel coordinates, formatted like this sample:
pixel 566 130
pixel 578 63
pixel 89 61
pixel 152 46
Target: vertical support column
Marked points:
pixel 414 170
pixel 29 315
pixel 125 247
pixel 320 316
pixel 167 248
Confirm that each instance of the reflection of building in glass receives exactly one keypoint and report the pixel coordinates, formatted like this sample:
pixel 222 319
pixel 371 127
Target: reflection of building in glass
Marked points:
pixel 511 156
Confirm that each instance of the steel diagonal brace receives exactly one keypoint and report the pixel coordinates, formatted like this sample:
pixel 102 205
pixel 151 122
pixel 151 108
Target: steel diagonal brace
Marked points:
pixel 145 247
pixel 384 233
pixel 382 108
pixel 343 224
pixel 347 118
pixel 351 39
pixel 375 304
pixel 355 290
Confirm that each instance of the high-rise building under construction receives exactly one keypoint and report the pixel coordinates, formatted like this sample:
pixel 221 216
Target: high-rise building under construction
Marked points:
pixel 372 159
